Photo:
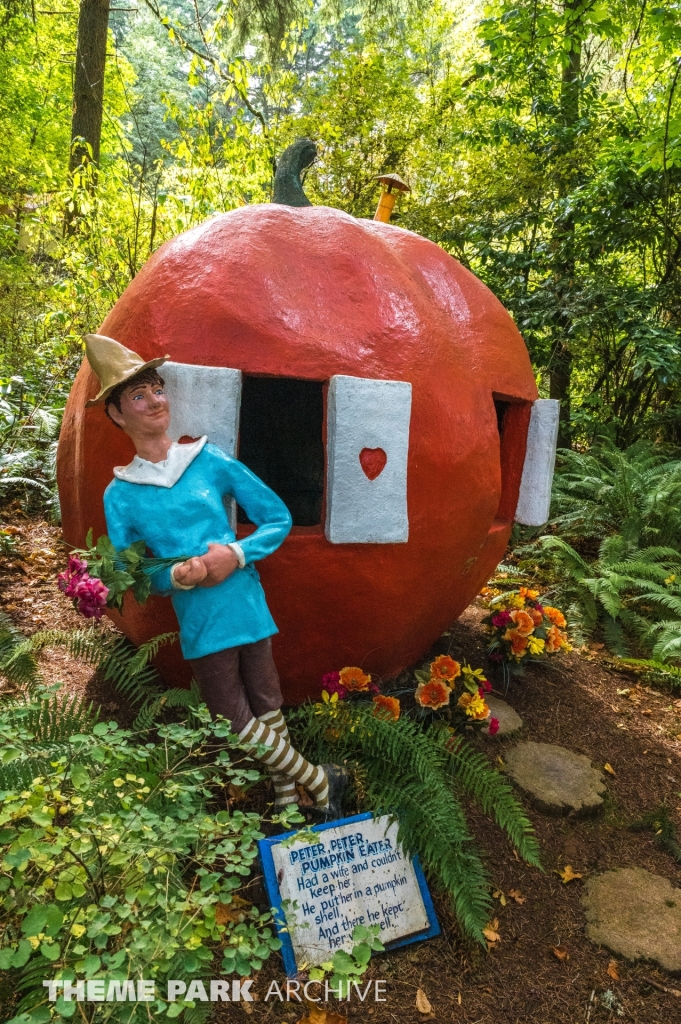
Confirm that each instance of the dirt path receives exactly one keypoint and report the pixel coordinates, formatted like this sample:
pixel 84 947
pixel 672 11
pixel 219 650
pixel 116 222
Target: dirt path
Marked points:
pixel 572 701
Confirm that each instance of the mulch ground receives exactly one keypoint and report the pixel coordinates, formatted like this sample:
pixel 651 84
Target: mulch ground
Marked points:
pixel 572 701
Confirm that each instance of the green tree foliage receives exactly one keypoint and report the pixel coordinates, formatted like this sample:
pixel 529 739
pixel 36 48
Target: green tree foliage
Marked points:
pixel 541 140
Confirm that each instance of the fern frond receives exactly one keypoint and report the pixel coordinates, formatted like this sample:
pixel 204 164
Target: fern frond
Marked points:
pixel 657 672
pixel 17 663
pixel 471 772
pixel 56 718
pixel 613 634
pixel 408 773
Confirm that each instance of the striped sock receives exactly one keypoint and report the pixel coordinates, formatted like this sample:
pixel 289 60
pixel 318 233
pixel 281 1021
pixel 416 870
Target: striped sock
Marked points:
pixel 284 788
pixel 285 759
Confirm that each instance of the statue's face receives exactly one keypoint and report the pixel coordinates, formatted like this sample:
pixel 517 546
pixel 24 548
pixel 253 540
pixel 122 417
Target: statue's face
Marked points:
pixel 144 411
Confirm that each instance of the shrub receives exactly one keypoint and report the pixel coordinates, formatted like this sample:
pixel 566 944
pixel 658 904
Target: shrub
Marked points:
pixel 635 492
pixel 614 543
pixel 116 861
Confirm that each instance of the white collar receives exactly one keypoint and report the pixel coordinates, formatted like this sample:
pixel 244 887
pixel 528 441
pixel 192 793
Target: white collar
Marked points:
pixel 161 474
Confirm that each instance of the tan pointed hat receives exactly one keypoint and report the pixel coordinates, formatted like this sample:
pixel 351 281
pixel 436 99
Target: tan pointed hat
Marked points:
pixel 113 363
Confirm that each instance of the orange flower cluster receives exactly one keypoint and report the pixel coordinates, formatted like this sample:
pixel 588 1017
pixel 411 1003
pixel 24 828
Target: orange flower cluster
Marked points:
pixel 522 626
pixel 437 683
pixel 555 616
pixel 445 668
pixel 354 680
pixel 433 694
pixel 386 707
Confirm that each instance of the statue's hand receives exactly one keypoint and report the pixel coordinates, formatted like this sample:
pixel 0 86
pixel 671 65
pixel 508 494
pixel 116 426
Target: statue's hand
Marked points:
pixel 190 573
pixel 220 562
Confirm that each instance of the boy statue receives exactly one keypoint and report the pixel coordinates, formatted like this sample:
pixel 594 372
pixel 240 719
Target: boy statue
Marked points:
pixel 173 497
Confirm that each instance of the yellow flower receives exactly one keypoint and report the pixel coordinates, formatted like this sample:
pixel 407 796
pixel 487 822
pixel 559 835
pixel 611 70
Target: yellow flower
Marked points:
pixel 473 705
pixel 535 645
pixel 329 699
pixel 670 579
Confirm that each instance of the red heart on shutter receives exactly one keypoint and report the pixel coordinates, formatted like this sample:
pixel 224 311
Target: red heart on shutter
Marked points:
pixel 372 461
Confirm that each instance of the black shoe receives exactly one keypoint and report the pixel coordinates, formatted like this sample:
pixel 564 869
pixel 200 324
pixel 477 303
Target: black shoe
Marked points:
pixel 339 780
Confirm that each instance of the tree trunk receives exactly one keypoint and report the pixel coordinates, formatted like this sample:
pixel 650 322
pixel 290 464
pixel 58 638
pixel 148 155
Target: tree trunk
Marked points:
pixel 88 87
pixel 559 387
pixel 564 233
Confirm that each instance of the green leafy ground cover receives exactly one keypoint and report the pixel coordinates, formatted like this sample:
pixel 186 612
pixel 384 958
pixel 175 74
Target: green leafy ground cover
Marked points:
pixel 115 861
pixel 119 861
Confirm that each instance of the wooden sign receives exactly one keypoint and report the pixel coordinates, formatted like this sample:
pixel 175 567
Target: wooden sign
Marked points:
pixel 355 874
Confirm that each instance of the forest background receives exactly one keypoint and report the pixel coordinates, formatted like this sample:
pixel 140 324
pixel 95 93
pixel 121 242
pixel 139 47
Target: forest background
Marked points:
pixel 542 142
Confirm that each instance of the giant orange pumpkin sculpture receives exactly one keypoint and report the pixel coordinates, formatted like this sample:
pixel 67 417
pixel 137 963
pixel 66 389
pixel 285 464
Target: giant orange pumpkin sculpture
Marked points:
pixel 365 375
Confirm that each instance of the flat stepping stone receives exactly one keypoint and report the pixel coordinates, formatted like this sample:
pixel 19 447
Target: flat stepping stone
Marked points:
pixel 636 914
pixel 556 781
pixel 509 720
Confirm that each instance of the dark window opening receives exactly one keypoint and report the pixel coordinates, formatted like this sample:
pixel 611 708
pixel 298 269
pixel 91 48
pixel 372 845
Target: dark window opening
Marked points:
pixel 501 408
pixel 513 418
pixel 280 439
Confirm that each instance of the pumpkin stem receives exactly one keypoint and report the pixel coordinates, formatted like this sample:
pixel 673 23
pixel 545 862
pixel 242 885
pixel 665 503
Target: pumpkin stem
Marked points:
pixel 288 189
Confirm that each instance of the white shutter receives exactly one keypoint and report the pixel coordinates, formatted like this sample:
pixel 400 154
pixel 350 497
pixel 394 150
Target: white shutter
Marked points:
pixel 204 400
pixel 534 499
pixel 370 417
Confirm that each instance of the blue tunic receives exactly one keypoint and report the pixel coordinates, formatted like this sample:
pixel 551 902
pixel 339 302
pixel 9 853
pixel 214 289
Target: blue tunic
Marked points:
pixel 181 521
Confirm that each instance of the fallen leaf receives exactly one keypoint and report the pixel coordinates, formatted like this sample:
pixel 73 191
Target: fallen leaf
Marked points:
pixel 560 952
pixel 516 895
pixel 646 711
pixel 304 798
pixel 422 1002
pixel 458 999
pixel 567 874
pixel 498 895
pixel 609 768
pixel 236 793
pixel 234 911
pixel 318 1015
pixel 490 932
pixel 612 970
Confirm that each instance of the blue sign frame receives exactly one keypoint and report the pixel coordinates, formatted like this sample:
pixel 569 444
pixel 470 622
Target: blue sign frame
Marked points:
pixel 272 887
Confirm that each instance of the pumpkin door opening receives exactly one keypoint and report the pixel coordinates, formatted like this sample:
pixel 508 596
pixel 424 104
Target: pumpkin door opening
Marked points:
pixel 513 420
pixel 281 440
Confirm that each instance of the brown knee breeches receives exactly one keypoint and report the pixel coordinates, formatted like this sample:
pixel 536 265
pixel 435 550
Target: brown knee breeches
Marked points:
pixel 239 683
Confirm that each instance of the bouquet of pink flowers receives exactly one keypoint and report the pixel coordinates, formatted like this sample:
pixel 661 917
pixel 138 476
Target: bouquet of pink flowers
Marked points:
pixel 88 593
pixel 98 576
